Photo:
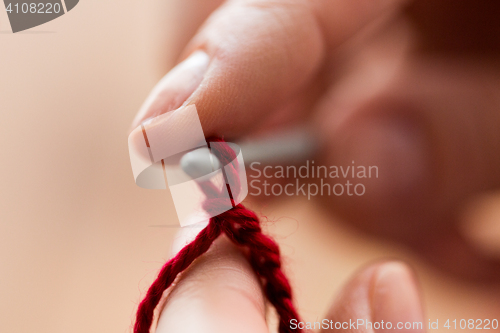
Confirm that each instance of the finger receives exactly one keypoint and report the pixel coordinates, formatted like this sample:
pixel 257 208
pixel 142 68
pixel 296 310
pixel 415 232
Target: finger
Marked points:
pixel 429 126
pixel 219 292
pixel 259 53
pixel 432 132
pixel 383 297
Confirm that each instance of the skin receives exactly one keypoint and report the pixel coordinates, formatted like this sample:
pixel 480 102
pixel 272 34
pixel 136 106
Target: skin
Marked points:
pixel 220 293
pixel 411 87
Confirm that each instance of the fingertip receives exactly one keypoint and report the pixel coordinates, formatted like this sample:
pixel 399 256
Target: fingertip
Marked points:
pixel 175 87
pixel 395 298
pixel 377 298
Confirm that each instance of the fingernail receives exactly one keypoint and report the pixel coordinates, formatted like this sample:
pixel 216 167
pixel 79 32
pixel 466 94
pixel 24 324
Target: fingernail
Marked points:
pixel 395 299
pixel 397 153
pixel 174 88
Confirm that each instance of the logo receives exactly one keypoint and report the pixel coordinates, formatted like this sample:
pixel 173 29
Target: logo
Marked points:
pixel 26 14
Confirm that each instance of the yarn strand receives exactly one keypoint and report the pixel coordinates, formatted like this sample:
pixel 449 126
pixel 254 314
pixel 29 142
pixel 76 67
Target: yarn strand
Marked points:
pixel 242 227
pixel 169 272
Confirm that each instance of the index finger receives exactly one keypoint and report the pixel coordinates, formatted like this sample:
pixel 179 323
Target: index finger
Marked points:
pixel 259 53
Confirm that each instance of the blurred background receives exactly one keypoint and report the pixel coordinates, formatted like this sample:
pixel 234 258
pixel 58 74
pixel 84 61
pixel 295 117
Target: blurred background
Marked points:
pixel 79 241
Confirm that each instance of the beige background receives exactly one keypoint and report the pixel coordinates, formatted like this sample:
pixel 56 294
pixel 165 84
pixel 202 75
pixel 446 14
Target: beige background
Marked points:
pixel 79 242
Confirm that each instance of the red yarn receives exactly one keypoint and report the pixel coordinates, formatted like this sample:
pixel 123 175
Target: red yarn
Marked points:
pixel 242 227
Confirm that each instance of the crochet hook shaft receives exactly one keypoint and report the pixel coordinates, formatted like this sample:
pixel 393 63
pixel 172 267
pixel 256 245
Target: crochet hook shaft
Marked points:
pixel 286 146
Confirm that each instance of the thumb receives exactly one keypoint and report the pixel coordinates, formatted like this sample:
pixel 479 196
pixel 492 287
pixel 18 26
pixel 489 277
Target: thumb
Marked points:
pixel 254 56
pixel 381 297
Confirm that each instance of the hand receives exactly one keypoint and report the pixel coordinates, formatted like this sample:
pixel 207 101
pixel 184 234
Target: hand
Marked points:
pixel 411 88
pixel 220 293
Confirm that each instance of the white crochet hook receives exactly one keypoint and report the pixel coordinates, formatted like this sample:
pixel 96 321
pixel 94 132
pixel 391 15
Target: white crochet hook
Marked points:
pixel 199 162
pixel 283 147
pixel 286 147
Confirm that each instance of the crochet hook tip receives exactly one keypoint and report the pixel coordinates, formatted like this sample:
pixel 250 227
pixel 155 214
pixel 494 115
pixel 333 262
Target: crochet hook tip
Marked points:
pixel 199 162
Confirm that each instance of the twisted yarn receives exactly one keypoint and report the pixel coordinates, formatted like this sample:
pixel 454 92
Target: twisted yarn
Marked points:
pixel 242 227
